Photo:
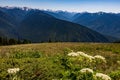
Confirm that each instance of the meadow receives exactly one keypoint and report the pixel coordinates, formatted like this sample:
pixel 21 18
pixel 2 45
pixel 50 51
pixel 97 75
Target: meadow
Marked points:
pixel 50 61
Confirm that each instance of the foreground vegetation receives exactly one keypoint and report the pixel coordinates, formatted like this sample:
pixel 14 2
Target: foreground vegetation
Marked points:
pixel 47 61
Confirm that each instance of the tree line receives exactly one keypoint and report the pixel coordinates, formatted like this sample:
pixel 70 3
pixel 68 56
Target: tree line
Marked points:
pixel 11 41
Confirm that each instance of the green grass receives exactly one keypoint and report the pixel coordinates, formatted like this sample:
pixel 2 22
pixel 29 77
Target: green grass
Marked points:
pixel 48 60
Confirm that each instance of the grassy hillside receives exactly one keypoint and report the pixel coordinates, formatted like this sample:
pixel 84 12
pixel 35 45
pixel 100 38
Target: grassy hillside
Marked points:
pixel 51 61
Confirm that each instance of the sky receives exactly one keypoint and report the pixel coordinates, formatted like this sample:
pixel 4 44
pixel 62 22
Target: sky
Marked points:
pixel 67 5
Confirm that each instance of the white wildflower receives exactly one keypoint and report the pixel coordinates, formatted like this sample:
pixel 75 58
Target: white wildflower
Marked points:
pixel 102 76
pixel 73 54
pixel 100 57
pixel 13 70
pixel 84 70
pixel 81 53
pixel 118 62
pixel 85 55
pixel 91 57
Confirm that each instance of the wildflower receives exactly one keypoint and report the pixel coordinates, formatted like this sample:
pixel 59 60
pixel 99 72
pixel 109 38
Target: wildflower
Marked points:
pixel 118 62
pixel 100 57
pixel 84 70
pixel 73 54
pixel 13 70
pixel 85 55
pixel 102 76
pixel 81 53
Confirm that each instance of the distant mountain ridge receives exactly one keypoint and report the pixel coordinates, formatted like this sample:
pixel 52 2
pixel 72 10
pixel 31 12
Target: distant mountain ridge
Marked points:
pixel 102 22
pixel 63 15
pixel 105 23
pixel 39 25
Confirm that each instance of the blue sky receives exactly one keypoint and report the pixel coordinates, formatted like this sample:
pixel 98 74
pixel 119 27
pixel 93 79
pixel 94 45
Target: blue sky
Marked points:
pixel 68 5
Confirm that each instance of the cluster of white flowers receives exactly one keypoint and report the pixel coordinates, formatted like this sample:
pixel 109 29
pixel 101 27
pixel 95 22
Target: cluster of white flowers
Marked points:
pixel 102 76
pixel 13 70
pixel 98 75
pixel 73 54
pixel 87 56
pixel 92 58
pixel 80 54
pixel 84 70
pixel 100 57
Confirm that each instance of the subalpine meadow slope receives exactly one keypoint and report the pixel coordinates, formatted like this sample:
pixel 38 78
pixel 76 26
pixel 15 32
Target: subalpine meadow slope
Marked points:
pixel 60 61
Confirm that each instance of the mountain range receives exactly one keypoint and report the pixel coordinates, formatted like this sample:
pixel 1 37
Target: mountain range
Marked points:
pixel 105 23
pixel 43 26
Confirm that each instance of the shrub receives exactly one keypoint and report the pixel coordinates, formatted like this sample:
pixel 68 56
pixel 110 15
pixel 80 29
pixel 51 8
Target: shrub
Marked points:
pixel 115 75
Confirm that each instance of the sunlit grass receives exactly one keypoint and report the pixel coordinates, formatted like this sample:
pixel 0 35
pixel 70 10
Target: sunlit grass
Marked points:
pixel 41 61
